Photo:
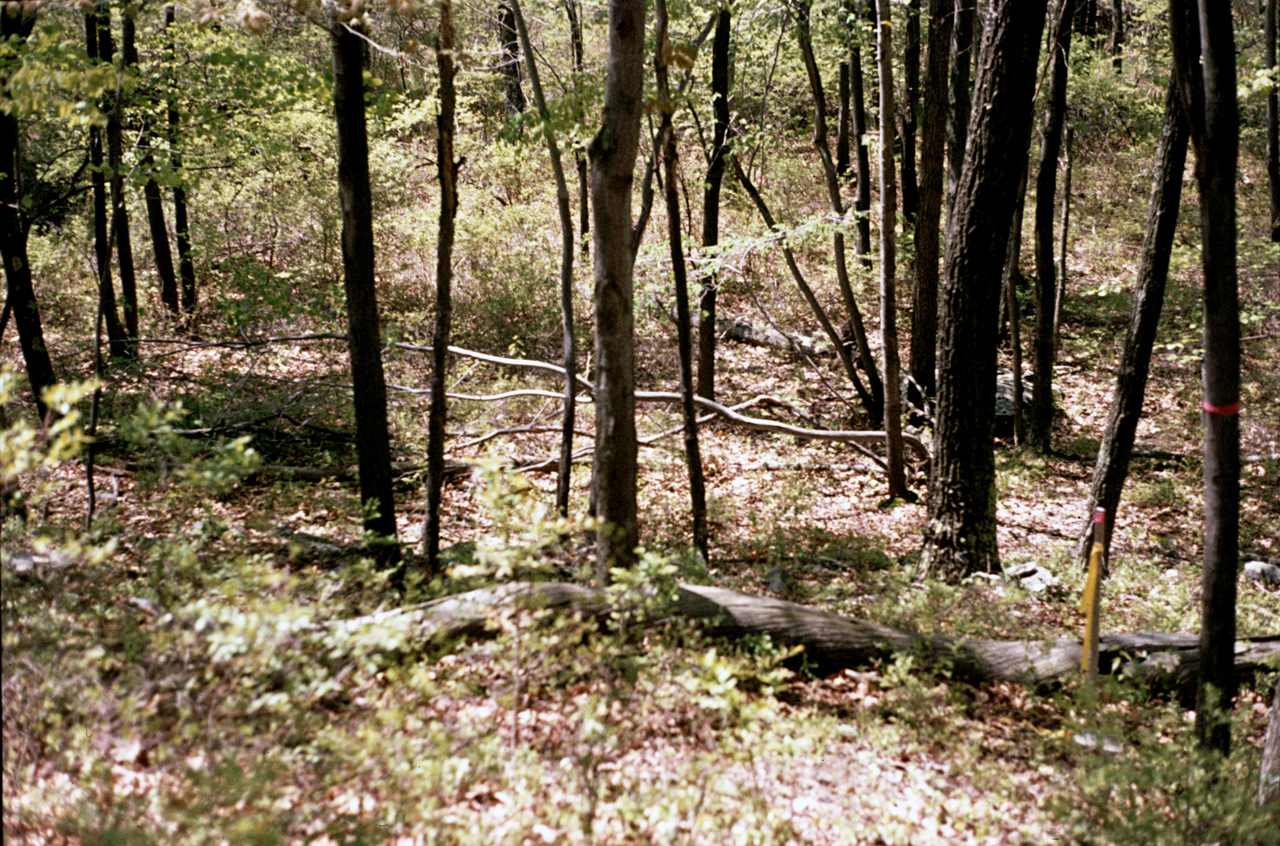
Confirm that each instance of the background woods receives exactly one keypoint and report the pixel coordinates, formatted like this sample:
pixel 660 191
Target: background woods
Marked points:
pixel 370 464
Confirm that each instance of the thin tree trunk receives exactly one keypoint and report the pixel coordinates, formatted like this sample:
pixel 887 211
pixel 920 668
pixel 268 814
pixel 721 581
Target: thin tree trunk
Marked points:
pixel 875 407
pixel 573 12
pixel 924 294
pixel 684 328
pixel 156 226
pixel 888 262
pixel 117 341
pixel 1205 68
pixel 20 293
pixel 1273 117
pixel 958 96
pixel 373 440
pixel 613 157
pixel 1144 317
pixel 1062 237
pixel 1116 46
pixel 510 60
pixel 181 227
pixel 1041 434
pixel 844 120
pixel 447 173
pixel 119 211
pixel 1010 287
pixel 711 201
pixel 566 267
pixel 862 158
pixel 910 104
pixel 960 536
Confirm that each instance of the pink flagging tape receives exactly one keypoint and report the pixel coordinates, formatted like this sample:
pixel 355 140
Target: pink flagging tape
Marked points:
pixel 1221 410
pixel 1099 516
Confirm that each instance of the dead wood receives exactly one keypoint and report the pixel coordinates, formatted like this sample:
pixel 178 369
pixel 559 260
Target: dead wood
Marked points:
pixel 832 642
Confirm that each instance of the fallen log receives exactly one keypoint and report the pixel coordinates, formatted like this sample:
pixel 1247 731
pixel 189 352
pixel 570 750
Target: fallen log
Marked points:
pixel 831 642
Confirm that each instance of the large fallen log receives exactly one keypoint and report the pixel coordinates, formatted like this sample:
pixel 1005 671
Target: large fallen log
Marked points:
pixel 831 642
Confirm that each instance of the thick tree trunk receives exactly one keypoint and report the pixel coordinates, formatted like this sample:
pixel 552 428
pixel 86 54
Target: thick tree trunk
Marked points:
pixel 1148 298
pixel 1117 35
pixel 447 174
pixel 910 103
pixel 711 201
pixel 958 96
pixel 181 227
pixel 20 296
pixel 684 328
pixel 119 213
pixel 888 262
pixel 1204 57
pixel 373 441
pixel 117 340
pixel 510 59
pixel 613 157
pixel 1041 434
pixel 1273 117
pixel 924 294
pixel 570 361
pixel 960 537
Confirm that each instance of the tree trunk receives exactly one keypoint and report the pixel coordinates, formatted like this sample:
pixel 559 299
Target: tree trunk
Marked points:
pixel 844 121
pixel 874 403
pixel 119 211
pixel 924 294
pixel 565 472
pixel 1273 118
pixel 1041 434
pixel 510 61
pixel 910 104
pixel 373 441
pixel 447 174
pixel 711 201
pixel 1009 284
pixel 20 293
pixel 1064 231
pixel 1117 35
pixel 888 262
pixel 117 340
pixel 960 537
pixel 573 12
pixel 1269 772
pixel 684 329
pixel 151 190
pixel 958 96
pixel 613 157
pixel 181 228
pixel 1204 63
pixel 862 159
pixel 1144 317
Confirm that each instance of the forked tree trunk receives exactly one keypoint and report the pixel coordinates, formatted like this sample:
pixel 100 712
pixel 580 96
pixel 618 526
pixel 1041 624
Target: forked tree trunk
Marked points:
pixel 684 328
pixel 1041 434
pixel 117 341
pixel 20 296
pixel 924 295
pixel 364 341
pixel 570 361
pixel 960 536
pixel 447 174
pixel 1144 317
pixel 1204 61
pixel 613 157
pixel 711 200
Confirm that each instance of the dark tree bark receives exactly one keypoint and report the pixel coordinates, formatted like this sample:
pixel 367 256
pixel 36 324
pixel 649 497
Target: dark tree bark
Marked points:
pixel 958 95
pixel 117 339
pixel 711 200
pixel 862 158
pixel 573 12
pixel 888 261
pixel 119 213
pixel 1041 433
pixel 1009 287
pixel 181 227
pixel 1148 299
pixel 364 340
pixel 684 328
pixel 910 105
pixel 447 174
pixel 613 157
pixel 1273 118
pixel 20 295
pixel 1204 62
pixel 924 295
pixel 1064 230
pixel 960 537
pixel 509 62
pixel 1117 35
pixel 844 121
pixel 570 362
pixel 873 396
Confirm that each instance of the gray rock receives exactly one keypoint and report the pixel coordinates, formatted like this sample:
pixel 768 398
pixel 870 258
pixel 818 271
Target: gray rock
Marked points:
pixel 1032 577
pixel 777 580
pixel 1261 571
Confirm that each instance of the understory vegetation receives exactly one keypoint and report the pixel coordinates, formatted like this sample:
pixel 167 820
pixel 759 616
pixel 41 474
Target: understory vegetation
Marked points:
pixel 213 658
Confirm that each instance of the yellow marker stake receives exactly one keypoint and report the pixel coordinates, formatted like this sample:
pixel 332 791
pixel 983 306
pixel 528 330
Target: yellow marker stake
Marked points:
pixel 1091 602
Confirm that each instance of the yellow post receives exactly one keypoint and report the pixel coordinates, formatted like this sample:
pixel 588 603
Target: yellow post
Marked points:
pixel 1091 602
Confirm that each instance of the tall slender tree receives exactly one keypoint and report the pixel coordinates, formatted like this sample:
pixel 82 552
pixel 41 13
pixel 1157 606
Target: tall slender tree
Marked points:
pixel 181 226
pixel 711 200
pixel 117 337
pixel 1270 25
pixel 1204 62
pixel 119 214
pixel 364 338
pixel 960 536
pixel 613 157
pixel 910 104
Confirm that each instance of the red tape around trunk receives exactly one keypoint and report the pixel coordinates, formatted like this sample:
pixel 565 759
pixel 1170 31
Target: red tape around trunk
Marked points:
pixel 1221 410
